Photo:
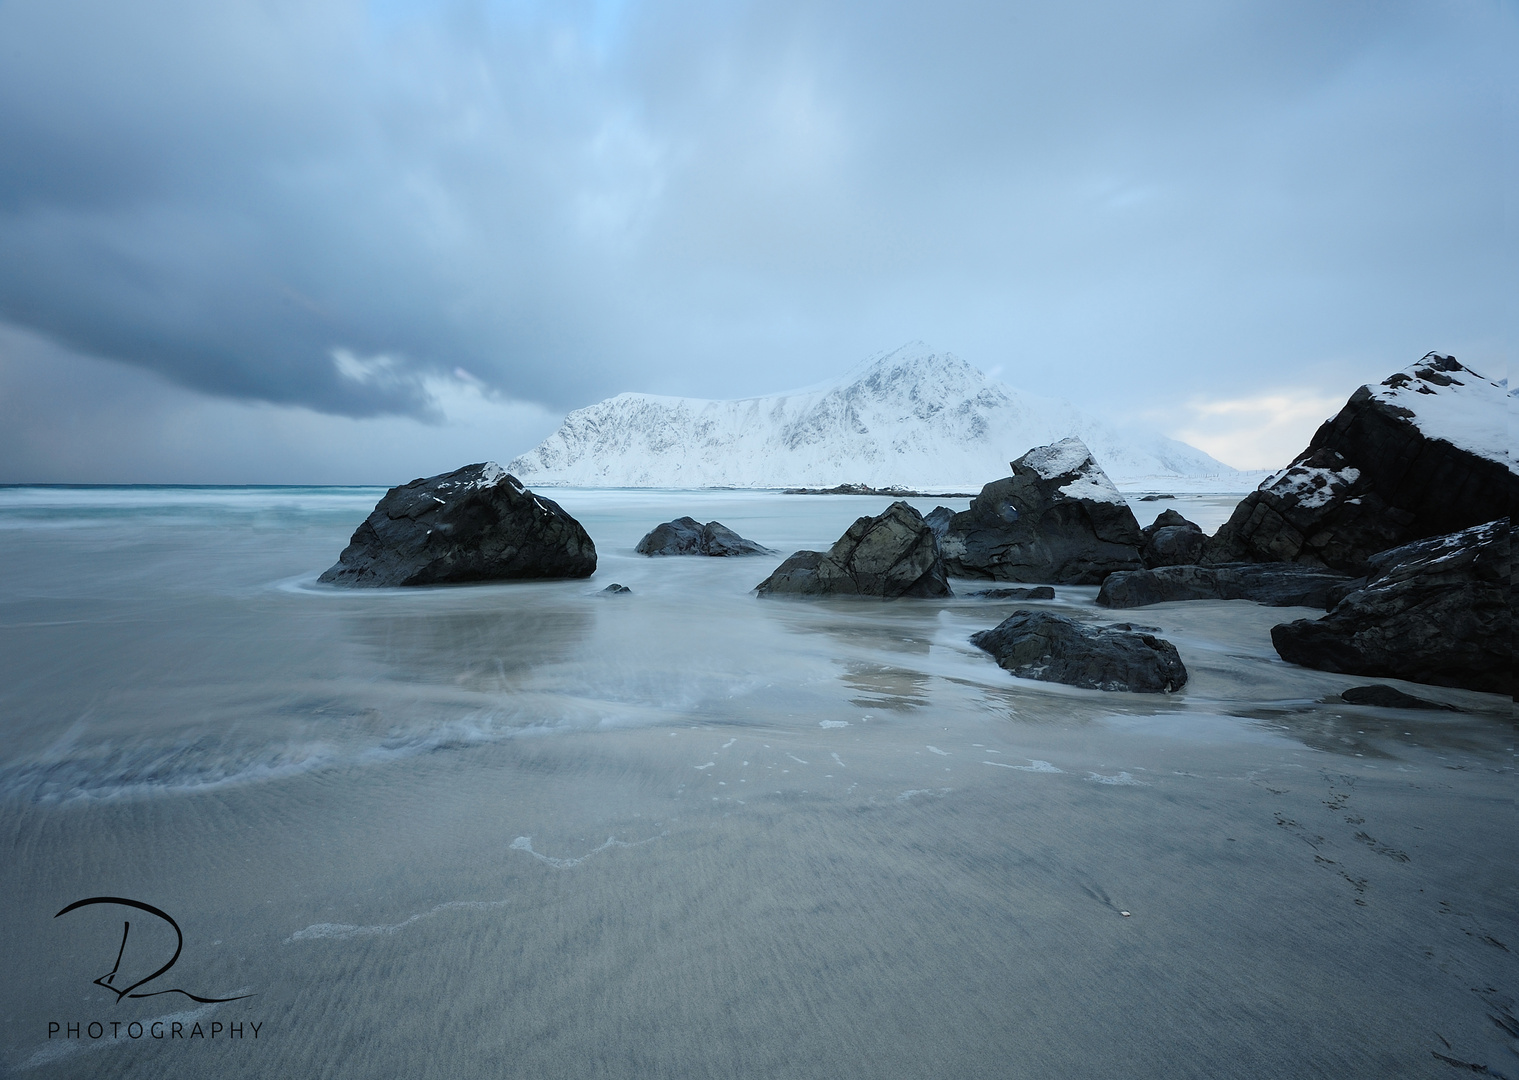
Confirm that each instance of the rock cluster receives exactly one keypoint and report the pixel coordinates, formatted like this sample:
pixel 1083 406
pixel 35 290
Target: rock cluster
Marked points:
pixel 687 536
pixel 890 555
pixel 1423 454
pixel 1436 611
pixel 1272 584
pixel 474 524
pixel 1057 519
pixel 1052 648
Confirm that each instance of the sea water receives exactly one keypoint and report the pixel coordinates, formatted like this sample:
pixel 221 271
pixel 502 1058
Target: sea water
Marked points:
pixel 537 829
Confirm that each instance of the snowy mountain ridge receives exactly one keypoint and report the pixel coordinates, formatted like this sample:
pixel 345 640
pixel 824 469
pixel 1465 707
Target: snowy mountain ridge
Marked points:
pixel 909 418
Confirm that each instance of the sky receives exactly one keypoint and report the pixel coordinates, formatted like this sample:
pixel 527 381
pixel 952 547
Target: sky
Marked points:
pixel 330 241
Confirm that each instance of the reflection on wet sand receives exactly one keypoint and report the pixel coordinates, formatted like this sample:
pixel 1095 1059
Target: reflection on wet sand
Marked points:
pixel 487 651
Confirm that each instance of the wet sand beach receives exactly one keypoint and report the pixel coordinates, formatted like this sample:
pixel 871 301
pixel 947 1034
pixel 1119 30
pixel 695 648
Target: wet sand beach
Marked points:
pixel 537 831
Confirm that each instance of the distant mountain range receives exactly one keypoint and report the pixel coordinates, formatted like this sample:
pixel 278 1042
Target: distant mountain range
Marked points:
pixel 912 418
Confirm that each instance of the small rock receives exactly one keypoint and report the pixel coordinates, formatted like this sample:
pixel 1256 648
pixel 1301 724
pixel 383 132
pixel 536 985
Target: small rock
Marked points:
pixel 1052 648
pixel 890 555
pixel 1038 592
pixel 687 536
pixel 616 588
pixel 1388 697
pixel 1155 498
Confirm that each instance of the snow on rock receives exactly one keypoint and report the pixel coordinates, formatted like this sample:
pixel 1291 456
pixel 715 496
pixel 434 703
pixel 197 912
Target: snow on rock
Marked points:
pixel 910 418
pixel 1446 400
pixel 1311 487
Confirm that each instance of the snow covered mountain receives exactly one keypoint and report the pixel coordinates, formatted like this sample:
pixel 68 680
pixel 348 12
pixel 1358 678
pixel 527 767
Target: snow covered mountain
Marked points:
pixel 910 418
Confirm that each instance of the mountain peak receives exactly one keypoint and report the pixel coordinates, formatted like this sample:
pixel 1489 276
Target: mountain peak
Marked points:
pixel 910 417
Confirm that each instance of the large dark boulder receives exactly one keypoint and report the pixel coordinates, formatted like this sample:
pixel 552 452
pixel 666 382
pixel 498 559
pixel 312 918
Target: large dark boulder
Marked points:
pixel 1052 648
pixel 1172 540
pixel 1422 454
pixel 1273 584
pixel 892 554
pixel 1057 519
pixel 474 524
pixel 1436 611
pixel 687 536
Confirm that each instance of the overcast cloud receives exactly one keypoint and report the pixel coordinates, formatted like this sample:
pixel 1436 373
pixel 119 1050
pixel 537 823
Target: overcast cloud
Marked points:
pixel 1183 210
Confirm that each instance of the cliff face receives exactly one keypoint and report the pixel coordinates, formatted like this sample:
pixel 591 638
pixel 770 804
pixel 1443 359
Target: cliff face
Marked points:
pixel 1424 453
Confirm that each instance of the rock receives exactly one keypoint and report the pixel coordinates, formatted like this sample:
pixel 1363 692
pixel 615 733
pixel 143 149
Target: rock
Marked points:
pixel 1273 584
pixel 687 536
pixel 616 589
pixel 474 524
pixel 1155 498
pixel 1388 697
pixel 1038 592
pixel 892 554
pixel 1436 611
pixel 1172 540
pixel 938 520
pixel 1057 519
pixel 1052 648
pixel 1423 454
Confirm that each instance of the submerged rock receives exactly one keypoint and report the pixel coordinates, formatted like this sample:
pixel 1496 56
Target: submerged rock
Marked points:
pixel 1273 584
pixel 892 554
pixel 1436 611
pixel 1423 454
pixel 1057 519
pixel 1172 540
pixel 1388 697
pixel 1038 592
pixel 1052 648
pixel 687 536
pixel 474 524
pixel 616 590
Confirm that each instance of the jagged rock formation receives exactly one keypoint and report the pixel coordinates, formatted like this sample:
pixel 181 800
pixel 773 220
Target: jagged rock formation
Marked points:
pixel 890 555
pixel 1273 584
pixel 474 524
pixel 1425 453
pixel 909 420
pixel 1052 648
pixel 1057 519
pixel 1436 611
pixel 1172 540
pixel 687 536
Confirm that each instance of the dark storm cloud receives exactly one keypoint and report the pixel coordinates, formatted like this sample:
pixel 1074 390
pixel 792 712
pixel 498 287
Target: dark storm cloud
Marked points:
pixel 324 203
